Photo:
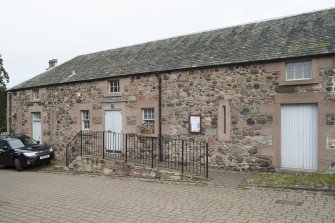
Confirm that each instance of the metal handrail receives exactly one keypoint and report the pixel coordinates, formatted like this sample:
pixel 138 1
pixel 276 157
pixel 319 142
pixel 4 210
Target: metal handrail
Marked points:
pixel 67 155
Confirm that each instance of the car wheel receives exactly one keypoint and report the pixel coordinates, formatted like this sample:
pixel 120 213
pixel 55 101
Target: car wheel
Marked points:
pixel 18 165
pixel 47 162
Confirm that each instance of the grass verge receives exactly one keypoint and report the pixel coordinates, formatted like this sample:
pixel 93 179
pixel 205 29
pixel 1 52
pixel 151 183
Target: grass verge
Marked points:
pixel 304 181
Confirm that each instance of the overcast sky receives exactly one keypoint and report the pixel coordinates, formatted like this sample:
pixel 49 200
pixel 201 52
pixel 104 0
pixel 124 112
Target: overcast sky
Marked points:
pixel 34 31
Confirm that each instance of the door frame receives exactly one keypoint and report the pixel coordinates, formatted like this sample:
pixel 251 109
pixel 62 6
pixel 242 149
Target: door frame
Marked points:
pixel 297 98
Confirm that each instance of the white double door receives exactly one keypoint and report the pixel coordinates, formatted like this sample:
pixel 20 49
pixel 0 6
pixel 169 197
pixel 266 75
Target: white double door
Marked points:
pixel 299 136
pixel 114 134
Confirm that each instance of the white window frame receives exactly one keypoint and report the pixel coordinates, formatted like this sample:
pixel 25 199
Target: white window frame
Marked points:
pixel 85 120
pixel 114 86
pixel 304 67
pixel 148 116
pixel 36 94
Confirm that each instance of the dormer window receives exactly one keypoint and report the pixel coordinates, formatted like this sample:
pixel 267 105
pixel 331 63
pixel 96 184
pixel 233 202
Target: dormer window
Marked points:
pixel 114 86
pixel 299 71
pixel 36 94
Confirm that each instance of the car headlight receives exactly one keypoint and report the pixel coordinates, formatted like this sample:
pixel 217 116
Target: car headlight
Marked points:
pixel 30 154
pixel 51 149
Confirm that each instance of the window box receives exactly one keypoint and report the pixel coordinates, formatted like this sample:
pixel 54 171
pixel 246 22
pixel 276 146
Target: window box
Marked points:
pixel 147 129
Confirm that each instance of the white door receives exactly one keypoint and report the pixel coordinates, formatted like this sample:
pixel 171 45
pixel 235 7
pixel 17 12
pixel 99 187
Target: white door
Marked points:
pixel 37 126
pixel 299 136
pixel 114 133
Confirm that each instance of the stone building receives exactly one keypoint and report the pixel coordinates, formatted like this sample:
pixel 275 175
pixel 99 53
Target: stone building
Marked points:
pixel 264 94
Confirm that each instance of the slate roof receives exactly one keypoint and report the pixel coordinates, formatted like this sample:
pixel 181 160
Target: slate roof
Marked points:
pixel 295 36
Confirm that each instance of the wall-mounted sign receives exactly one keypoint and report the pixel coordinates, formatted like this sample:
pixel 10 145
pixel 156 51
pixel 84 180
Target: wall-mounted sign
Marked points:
pixel 195 124
pixel 112 105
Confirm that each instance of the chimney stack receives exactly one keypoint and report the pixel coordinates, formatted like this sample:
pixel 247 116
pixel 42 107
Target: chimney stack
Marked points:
pixel 52 63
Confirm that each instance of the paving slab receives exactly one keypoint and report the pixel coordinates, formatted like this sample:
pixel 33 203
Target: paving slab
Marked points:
pixel 31 196
pixel 221 178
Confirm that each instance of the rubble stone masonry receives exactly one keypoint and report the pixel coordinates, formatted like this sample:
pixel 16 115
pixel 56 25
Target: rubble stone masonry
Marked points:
pixel 252 95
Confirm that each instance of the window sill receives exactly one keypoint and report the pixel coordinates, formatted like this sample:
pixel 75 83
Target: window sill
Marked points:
pixel 116 94
pixel 299 82
pixel 148 132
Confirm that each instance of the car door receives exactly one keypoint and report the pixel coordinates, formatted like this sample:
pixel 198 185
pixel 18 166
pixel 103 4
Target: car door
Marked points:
pixel 5 153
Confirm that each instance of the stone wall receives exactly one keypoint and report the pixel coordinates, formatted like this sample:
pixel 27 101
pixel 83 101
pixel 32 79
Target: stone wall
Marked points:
pixel 254 94
pixel 199 92
pixel 59 111
pixel 114 169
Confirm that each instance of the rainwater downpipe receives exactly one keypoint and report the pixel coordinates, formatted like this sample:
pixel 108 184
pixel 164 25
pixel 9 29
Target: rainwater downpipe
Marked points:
pixel 9 112
pixel 160 117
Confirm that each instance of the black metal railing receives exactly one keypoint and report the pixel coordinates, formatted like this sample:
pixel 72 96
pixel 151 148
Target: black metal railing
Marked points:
pixel 73 149
pixel 166 152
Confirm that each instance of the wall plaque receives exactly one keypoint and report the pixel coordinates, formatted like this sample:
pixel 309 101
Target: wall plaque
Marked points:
pixel 195 124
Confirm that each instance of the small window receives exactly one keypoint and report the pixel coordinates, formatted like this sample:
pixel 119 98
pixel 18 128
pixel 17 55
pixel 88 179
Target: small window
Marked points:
pixel 224 120
pixel 299 71
pixel 148 121
pixel 85 120
pixel 148 116
pixel 114 86
pixel 36 116
pixel 36 94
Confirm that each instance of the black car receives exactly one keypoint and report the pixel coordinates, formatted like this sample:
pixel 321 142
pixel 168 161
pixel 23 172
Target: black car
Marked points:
pixel 22 151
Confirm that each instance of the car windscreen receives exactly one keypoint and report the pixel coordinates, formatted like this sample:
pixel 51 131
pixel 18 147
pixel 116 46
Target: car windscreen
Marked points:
pixel 28 141
pixel 15 143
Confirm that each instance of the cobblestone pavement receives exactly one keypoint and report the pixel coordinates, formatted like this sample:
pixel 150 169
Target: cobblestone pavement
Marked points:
pixel 46 197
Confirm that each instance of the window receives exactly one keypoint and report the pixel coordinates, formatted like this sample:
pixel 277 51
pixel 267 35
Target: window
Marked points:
pixel 299 71
pixel 224 120
pixel 114 86
pixel 36 116
pixel 15 143
pixel 85 120
pixel 36 94
pixel 148 121
pixel 2 144
pixel 148 116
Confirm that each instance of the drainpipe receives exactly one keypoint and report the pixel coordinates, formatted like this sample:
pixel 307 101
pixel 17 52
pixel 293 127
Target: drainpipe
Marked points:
pixel 160 116
pixel 9 112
